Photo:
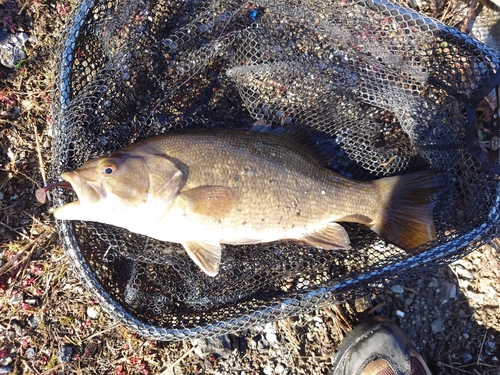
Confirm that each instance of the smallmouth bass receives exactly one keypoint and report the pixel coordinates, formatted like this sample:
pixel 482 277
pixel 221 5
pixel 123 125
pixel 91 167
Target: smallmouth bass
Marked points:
pixel 206 187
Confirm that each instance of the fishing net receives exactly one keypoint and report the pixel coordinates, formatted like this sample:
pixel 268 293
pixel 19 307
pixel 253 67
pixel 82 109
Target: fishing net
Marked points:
pixel 383 89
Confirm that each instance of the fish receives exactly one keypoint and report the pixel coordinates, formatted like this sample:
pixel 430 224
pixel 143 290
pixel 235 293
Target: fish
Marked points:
pixel 205 188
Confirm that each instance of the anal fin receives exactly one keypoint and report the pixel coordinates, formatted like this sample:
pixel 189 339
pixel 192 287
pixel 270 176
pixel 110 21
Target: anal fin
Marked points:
pixel 331 236
pixel 206 255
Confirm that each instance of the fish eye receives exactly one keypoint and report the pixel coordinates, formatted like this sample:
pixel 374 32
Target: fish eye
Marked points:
pixel 109 169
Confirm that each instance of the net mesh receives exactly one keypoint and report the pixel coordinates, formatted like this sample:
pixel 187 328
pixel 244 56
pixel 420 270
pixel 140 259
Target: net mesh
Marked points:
pixel 384 90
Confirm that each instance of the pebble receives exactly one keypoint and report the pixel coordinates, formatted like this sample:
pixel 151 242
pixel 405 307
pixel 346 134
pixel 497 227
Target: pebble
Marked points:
pixel 30 353
pixel 437 326
pixel 16 298
pixel 491 292
pixel 400 313
pixel 93 312
pixel 220 345
pixel 398 289
pixel 270 333
pixel 362 304
pixel 34 321
pixel 271 337
pixel 279 369
pixel 477 298
pixel 433 283
pixel 11 48
pixel 467 357
pixel 267 370
pixel 463 272
pixel 463 284
pixel 453 292
pixel 64 353
pixel 7 359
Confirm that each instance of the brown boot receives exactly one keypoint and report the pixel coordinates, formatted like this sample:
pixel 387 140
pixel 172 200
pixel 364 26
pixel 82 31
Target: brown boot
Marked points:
pixel 378 347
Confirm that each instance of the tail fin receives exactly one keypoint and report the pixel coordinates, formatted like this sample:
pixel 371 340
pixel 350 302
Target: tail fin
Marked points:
pixel 407 220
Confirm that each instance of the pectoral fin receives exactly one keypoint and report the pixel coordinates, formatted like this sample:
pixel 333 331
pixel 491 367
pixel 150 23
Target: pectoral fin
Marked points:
pixel 215 201
pixel 331 236
pixel 206 255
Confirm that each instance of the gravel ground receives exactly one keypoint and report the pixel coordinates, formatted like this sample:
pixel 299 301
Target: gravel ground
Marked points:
pixel 50 325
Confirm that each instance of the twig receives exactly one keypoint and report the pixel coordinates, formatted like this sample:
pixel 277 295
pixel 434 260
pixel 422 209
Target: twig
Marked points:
pixel 7 266
pixel 15 231
pixel 52 369
pixel 40 160
pixel 378 306
pixel 178 361
pixel 481 349
pixel 456 368
pixel 470 14
pixel 101 332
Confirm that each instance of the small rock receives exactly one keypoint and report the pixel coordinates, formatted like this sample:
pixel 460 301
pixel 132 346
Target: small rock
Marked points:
pixel 93 312
pixel 484 284
pixel 220 345
pixel 448 290
pixel 271 337
pixel 433 283
pixel 437 326
pixel 400 313
pixel 463 284
pixel 453 292
pixel 270 333
pixel 465 273
pixel 467 357
pixel 398 289
pixel 491 344
pixel 267 370
pixel 64 353
pixel 477 298
pixel 30 353
pixel 11 48
pixel 7 359
pixel 16 298
pixel 34 321
pixel 279 369
pixel 362 304
pixel 466 335
pixel 491 292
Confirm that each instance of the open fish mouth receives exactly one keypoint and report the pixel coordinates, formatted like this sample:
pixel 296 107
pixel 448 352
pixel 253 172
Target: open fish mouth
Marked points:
pixel 41 194
pixel 72 181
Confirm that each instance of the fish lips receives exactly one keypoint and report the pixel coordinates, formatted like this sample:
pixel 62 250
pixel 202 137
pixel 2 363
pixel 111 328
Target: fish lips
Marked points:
pixel 88 196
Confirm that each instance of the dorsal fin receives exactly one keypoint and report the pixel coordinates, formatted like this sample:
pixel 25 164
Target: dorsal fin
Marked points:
pixel 303 142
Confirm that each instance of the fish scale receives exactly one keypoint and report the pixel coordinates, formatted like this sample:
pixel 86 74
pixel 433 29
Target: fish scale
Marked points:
pixel 274 180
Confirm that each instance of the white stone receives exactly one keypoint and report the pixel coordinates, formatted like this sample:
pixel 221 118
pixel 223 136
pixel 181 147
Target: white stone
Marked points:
pixel 93 312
